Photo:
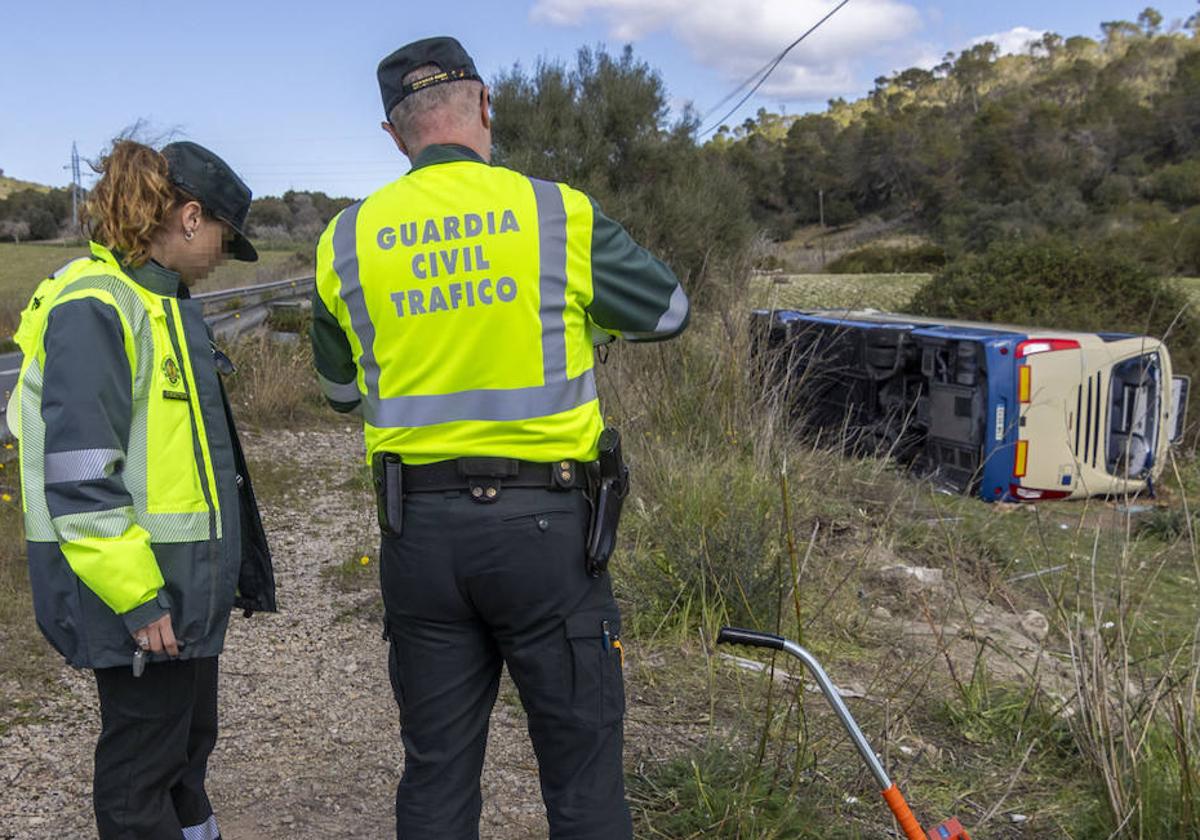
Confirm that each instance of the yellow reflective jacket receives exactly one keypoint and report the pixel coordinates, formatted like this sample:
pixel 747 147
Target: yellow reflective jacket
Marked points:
pixel 455 308
pixel 128 469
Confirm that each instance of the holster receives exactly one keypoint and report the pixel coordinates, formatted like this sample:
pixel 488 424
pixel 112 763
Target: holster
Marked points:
pixel 610 486
pixel 387 471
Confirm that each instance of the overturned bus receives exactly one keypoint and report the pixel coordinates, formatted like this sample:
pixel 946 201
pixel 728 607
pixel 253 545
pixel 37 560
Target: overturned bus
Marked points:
pixel 1009 413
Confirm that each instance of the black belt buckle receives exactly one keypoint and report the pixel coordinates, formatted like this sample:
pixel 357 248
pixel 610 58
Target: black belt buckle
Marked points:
pixel 484 476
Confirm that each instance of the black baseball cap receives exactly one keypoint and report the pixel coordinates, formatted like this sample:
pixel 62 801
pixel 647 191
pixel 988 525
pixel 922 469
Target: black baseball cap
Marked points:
pixel 209 180
pixel 445 52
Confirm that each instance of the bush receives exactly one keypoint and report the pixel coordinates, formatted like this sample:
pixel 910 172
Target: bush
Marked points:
pixel 1058 284
pixel 1178 185
pixel 42 224
pixel 889 259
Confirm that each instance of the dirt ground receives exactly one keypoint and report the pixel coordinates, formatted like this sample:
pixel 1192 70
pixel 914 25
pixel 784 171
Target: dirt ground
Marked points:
pixel 310 739
pixel 310 742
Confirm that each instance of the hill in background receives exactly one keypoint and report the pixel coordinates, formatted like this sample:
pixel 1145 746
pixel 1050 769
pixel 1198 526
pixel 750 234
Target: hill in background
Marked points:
pixel 1074 137
pixel 8 186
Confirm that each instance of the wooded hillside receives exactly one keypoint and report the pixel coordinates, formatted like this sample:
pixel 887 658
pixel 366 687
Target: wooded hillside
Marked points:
pixel 1097 138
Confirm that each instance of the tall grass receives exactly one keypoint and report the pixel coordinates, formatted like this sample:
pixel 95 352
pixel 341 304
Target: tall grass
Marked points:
pixel 1133 713
pixel 22 651
pixel 734 518
pixel 274 384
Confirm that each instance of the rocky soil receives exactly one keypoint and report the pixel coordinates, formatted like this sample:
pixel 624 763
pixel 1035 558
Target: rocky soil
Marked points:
pixel 310 740
pixel 310 744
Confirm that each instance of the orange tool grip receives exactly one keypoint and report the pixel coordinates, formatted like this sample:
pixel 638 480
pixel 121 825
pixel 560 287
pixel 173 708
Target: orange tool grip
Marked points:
pixel 903 814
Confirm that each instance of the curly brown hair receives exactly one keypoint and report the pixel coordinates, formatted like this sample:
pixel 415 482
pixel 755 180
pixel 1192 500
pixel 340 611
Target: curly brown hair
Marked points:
pixel 132 199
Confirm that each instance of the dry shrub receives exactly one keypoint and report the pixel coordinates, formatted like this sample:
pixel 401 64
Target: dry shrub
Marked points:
pixel 275 383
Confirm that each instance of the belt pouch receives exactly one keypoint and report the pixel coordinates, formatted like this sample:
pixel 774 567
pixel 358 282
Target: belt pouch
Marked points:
pixel 389 492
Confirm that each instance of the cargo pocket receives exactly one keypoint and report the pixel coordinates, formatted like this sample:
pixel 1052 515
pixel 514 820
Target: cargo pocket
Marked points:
pixel 596 682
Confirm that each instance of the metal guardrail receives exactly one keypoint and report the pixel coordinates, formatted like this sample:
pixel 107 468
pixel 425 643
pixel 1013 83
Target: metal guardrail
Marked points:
pixel 277 289
pixel 244 309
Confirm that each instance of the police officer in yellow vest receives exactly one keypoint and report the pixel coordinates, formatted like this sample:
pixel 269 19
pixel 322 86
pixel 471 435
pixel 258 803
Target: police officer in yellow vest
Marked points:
pixel 455 309
pixel 140 519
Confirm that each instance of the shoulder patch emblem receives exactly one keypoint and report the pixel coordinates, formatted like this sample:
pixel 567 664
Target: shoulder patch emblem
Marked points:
pixel 171 370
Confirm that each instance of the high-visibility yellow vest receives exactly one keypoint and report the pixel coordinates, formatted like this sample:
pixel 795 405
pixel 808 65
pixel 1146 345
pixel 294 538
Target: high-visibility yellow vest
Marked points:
pixel 167 466
pixel 462 289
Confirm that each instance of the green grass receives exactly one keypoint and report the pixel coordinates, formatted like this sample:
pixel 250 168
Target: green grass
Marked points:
pixel 23 653
pixel 888 292
pixel 718 793
pixel 23 266
pixel 361 571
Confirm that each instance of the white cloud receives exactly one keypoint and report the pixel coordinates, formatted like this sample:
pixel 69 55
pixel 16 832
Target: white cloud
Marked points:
pixel 1015 40
pixel 738 38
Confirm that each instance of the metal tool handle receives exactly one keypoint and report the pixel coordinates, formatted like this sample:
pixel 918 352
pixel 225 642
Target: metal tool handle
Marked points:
pixel 739 636
pixel 750 638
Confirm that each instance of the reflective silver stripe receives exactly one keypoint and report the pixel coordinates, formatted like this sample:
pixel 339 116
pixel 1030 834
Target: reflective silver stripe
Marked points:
pixel 677 310
pixel 552 280
pixel 82 465
pixel 345 265
pixel 176 527
pixel 342 392
pixel 206 830
pixel 67 266
pixel 493 405
pixel 669 321
pixel 557 393
pixel 100 524
pixel 38 525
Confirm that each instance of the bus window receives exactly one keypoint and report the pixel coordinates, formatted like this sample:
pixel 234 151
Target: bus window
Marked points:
pixel 1133 416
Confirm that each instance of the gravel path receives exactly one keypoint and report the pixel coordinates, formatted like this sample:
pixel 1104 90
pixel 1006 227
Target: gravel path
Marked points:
pixel 310 744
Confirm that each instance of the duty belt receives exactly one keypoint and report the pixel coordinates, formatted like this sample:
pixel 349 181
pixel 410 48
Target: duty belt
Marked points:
pixel 484 477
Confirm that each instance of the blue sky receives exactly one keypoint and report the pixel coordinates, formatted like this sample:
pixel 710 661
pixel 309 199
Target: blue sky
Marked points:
pixel 286 91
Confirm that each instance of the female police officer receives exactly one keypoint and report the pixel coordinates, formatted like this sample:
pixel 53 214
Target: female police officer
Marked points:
pixel 141 525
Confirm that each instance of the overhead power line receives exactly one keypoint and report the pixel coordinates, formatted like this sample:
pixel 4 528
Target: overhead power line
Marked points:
pixel 764 74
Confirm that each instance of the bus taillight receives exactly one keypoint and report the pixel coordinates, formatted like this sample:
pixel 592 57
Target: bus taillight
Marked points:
pixel 1045 345
pixel 1029 494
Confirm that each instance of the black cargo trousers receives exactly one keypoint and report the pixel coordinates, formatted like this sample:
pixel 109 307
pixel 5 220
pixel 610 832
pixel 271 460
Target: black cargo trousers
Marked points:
pixel 468 586
pixel 157 732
